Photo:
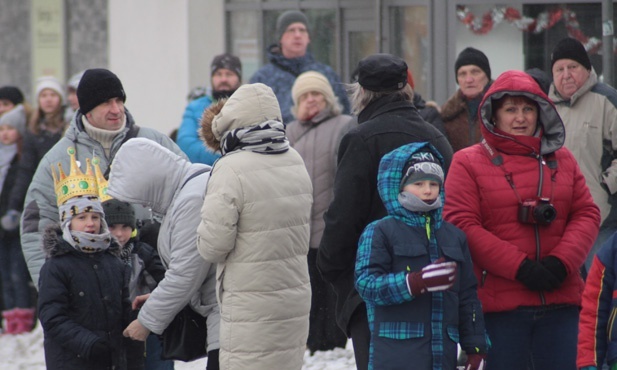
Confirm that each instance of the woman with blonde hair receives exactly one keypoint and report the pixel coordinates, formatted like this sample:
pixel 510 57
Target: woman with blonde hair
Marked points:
pixel 46 126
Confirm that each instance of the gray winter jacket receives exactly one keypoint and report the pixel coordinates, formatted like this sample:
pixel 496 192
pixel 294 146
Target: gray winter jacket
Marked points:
pixel 40 207
pixel 148 174
pixel 317 142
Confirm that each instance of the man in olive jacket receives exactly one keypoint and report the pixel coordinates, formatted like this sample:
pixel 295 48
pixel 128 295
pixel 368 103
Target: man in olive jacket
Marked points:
pixel 387 120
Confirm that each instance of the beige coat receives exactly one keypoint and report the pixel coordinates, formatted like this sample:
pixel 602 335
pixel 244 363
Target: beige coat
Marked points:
pixel 317 143
pixel 255 225
pixel 590 118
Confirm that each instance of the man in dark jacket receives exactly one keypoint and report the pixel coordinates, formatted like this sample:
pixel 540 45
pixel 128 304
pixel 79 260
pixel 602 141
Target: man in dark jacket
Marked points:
pixel 387 119
pixel 290 57
pixel 460 112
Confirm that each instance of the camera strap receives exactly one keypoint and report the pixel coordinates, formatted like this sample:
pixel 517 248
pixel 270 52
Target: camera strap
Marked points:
pixel 497 160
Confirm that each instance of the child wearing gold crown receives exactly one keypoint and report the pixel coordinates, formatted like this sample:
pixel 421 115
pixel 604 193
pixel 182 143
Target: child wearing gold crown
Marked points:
pixel 83 292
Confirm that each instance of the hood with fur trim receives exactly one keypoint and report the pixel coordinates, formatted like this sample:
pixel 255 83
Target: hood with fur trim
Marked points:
pixel 250 105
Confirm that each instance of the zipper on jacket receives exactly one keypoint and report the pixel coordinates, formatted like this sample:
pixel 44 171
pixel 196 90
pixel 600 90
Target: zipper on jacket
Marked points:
pixel 611 322
pixel 541 163
pixel 483 280
pixel 427 226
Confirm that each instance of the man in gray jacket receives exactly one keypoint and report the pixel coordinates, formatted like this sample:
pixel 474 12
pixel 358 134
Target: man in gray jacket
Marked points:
pixel 99 128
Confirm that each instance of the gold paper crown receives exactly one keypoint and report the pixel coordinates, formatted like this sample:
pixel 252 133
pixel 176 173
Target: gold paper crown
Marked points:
pixel 101 182
pixel 76 183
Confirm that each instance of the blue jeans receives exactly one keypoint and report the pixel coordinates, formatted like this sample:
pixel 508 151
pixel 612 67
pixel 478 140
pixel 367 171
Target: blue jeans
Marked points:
pixel 533 338
pixel 14 274
pixel 153 355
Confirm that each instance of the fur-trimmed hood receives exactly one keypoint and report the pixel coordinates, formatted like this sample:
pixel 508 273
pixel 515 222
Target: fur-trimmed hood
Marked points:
pixel 205 130
pixel 250 105
pixel 54 245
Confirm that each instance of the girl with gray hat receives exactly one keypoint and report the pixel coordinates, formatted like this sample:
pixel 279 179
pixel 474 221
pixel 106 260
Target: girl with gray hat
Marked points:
pixel 18 312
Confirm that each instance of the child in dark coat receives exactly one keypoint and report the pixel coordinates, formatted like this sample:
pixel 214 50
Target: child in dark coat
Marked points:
pixel 415 274
pixel 18 311
pixel 147 271
pixel 83 286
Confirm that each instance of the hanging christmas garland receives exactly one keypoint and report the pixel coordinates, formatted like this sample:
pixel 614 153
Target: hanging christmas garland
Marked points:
pixel 544 21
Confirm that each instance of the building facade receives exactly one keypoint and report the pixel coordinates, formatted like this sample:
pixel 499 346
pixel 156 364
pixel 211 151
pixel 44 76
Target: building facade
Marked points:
pixel 161 49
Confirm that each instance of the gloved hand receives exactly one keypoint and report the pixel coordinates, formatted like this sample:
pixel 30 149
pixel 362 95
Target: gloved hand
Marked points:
pixel 536 277
pixel 435 277
pixel 556 267
pixel 10 221
pixel 101 352
pixel 475 361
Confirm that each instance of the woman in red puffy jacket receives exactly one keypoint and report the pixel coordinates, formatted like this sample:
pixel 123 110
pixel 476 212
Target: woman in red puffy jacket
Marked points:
pixel 522 201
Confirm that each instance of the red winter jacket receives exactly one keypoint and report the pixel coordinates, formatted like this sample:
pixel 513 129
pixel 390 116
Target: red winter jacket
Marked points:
pixel 481 201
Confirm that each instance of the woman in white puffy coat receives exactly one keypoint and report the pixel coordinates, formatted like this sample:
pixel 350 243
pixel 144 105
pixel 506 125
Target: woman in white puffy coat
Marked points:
pixel 149 174
pixel 255 225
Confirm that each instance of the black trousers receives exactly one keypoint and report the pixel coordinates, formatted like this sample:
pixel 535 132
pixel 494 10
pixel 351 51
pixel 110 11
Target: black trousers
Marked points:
pixel 360 336
pixel 324 333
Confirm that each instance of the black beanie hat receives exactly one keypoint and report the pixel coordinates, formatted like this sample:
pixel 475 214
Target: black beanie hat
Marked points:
pixel 97 86
pixel 12 94
pixel 287 18
pixel 118 212
pixel 569 48
pixel 471 56
pixel 382 72
pixel 227 61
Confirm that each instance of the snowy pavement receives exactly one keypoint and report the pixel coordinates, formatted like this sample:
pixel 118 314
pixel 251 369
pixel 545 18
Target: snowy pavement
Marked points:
pixel 25 352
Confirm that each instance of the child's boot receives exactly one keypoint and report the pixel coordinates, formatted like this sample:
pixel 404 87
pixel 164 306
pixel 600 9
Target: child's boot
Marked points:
pixel 25 320
pixel 10 321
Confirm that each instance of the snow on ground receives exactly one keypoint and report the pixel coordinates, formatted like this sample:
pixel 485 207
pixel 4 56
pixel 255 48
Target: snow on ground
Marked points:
pixel 25 352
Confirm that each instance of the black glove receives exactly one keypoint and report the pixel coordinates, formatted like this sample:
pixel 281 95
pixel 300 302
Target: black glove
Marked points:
pixel 556 267
pixel 101 352
pixel 536 277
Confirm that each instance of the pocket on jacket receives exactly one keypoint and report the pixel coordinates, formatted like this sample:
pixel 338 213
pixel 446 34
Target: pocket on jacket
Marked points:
pixel 401 330
pixel 453 252
pixel 409 249
pixel 453 333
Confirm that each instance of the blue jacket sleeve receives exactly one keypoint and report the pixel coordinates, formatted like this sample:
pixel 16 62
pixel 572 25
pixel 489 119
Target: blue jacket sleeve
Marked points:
pixel 188 138
pixel 375 282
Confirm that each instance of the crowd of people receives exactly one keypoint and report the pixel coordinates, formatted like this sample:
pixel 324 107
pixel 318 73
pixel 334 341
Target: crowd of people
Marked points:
pixel 295 212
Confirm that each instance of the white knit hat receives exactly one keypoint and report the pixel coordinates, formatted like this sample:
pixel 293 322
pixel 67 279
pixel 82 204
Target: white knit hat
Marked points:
pixel 50 82
pixel 73 82
pixel 312 81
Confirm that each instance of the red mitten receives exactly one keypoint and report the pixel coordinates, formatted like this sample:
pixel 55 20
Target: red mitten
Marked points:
pixel 475 361
pixel 435 277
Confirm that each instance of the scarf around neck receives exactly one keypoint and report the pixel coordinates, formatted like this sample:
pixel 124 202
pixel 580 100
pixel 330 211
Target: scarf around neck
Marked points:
pixel 266 138
pixel 414 204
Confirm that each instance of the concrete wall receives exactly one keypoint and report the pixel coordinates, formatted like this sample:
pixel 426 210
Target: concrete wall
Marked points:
pixel 15 44
pixel 206 38
pixel 161 49
pixel 148 50
pixel 503 46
